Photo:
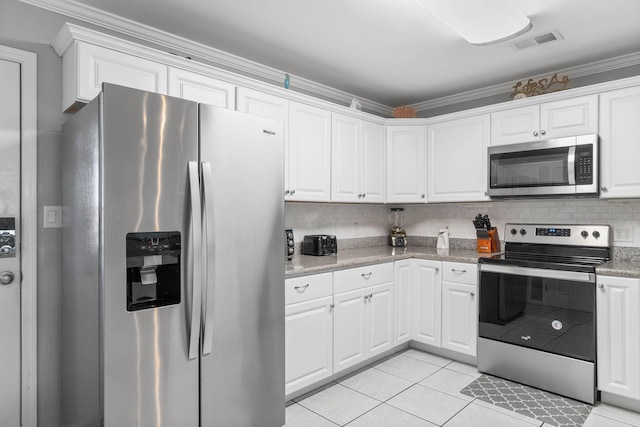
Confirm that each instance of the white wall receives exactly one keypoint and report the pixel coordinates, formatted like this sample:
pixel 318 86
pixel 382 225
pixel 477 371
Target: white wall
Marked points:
pixel 354 221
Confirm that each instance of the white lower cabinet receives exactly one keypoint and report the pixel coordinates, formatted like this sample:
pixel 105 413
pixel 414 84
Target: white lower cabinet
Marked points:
pixel 404 293
pixel 363 314
pixel 445 312
pixel 459 307
pixel 308 331
pixel 618 332
pixel 427 309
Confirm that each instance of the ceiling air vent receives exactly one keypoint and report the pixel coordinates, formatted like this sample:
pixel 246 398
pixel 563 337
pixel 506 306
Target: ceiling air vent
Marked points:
pixel 537 40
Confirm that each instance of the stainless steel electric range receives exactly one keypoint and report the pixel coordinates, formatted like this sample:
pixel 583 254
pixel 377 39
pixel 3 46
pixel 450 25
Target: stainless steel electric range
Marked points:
pixel 537 307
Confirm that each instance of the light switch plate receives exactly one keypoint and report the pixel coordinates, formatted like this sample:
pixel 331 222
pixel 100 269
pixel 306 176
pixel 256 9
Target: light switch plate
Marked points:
pixel 52 217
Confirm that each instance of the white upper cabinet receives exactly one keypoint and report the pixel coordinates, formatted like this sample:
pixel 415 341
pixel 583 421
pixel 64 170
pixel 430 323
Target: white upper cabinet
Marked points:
pixel 309 153
pixel 457 160
pixel 200 88
pixel 271 107
pixel 358 162
pixel 619 146
pixel 406 164
pixel 87 66
pixel 566 117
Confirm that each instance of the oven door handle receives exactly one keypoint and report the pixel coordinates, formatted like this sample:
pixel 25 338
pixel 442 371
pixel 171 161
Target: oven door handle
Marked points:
pixel 574 276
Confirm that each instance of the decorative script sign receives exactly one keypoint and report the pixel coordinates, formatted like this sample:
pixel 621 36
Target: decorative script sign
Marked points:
pixel 545 85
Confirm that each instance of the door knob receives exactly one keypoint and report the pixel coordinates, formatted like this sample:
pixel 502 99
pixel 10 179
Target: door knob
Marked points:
pixel 6 277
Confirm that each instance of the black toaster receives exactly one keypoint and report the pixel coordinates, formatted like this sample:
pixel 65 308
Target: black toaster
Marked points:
pixel 319 244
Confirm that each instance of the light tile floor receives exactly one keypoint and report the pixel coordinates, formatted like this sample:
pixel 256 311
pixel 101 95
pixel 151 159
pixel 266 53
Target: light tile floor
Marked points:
pixel 418 389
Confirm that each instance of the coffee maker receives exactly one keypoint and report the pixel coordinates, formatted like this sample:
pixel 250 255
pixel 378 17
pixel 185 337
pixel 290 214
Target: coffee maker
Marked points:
pixel 397 237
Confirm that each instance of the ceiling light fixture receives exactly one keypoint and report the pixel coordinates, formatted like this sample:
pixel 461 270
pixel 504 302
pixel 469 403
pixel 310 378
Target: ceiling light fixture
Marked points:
pixel 480 22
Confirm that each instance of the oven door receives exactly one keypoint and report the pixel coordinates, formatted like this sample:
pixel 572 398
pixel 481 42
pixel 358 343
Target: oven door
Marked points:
pixel 548 310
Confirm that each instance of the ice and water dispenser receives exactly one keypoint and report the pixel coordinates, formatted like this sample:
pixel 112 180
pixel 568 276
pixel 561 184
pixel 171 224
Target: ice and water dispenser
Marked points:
pixel 153 269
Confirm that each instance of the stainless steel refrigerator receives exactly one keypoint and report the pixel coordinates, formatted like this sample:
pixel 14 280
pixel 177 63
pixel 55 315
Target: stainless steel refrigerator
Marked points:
pixel 173 274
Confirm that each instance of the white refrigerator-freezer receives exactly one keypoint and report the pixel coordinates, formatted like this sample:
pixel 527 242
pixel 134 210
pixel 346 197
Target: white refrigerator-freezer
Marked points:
pixel 173 272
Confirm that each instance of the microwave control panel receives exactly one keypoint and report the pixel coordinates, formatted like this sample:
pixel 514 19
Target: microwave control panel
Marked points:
pixel 584 164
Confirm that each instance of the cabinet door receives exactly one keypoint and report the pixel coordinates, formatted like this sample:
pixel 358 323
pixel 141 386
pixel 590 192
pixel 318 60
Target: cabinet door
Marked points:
pixel 374 177
pixel 569 117
pixel 349 335
pixel 404 291
pixel 93 65
pixel 515 125
pixel 309 153
pixel 619 147
pixel 618 332
pixel 457 160
pixel 406 164
pixel 200 88
pixel 459 317
pixel 346 174
pixel 379 319
pixel 308 343
pixel 427 302
pixel 272 107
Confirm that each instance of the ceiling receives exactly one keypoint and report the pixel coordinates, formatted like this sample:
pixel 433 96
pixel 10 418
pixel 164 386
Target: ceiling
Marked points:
pixel 389 51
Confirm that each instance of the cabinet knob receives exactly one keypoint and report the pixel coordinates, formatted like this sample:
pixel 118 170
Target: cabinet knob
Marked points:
pixel 604 189
pixel 437 269
pixel 600 285
pixel 473 294
pixel 287 192
pixel 535 133
pixel 6 277
pixel 293 192
pixel 366 276
pixel 301 288
pixel 364 195
pixel 543 132
pixel 423 196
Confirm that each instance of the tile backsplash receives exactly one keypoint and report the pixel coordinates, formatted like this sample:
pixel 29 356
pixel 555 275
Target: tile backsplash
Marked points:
pixel 358 221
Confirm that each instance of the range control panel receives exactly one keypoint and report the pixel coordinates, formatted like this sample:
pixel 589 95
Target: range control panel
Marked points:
pixel 567 234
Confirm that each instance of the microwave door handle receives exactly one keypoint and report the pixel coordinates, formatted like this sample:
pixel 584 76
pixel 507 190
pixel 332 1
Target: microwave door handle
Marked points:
pixel 571 166
pixel 194 273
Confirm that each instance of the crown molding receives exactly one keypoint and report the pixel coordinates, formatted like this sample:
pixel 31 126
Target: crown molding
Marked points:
pixel 216 57
pixel 502 88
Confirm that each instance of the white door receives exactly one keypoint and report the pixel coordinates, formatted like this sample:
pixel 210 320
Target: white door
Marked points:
pixel 406 164
pixel 308 343
pixel 454 146
pixel 345 159
pixel 10 368
pixel 618 324
pixel 428 302
pixel 459 318
pixel 403 300
pixel 374 178
pixel 379 319
pixel 349 334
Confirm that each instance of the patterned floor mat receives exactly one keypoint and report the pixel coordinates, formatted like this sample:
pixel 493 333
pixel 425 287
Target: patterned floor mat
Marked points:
pixel 541 405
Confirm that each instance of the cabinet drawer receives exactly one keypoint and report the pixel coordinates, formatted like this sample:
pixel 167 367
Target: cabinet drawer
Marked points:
pixel 306 288
pixel 362 277
pixel 458 272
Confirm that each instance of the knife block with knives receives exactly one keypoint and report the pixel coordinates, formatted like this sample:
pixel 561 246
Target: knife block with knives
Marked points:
pixel 488 240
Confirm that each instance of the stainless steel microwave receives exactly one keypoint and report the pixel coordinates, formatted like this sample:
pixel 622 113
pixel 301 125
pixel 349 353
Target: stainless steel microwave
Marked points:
pixel 555 167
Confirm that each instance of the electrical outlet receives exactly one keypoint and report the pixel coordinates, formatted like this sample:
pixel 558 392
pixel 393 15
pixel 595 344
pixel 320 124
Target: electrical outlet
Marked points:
pixel 622 234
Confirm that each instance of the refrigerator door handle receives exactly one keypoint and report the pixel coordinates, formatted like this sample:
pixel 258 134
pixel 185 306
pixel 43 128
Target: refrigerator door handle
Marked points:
pixel 208 293
pixel 194 264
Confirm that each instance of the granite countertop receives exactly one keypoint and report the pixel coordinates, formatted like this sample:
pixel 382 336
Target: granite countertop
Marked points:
pixel 302 265
pixel 347 258
pixel 621 268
